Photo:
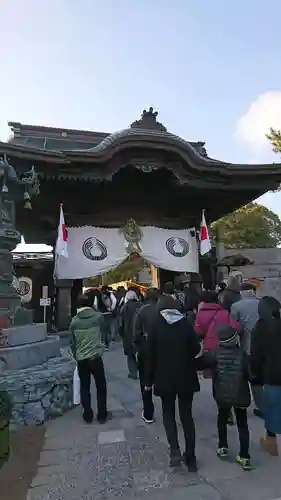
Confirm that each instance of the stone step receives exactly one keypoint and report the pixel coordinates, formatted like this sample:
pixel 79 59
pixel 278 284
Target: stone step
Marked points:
pixel 26 334
pixel 25 356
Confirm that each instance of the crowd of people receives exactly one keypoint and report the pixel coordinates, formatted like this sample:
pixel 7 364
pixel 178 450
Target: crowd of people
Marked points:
pixel 172 335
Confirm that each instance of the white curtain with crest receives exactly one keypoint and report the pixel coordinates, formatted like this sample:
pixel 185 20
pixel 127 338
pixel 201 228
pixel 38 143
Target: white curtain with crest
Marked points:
pixel 93 251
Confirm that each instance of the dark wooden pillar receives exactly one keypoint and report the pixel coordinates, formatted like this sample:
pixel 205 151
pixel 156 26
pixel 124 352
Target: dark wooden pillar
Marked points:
pixel 75 292
pixel 63 303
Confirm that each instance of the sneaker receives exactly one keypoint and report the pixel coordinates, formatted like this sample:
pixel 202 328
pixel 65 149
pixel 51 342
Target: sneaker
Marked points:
pixel 222 452
pixel 147 420
pixel 175 458
pixel 245 463
pixel 105 419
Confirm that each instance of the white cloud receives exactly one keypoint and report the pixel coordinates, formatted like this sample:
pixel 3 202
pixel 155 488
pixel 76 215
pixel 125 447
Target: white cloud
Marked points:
pixel 263 113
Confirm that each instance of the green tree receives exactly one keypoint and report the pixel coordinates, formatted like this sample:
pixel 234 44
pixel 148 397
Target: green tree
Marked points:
pixel 252 226
pixel 274 137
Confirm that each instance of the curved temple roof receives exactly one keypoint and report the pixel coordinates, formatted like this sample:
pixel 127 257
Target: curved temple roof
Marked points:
pixel 146 136
pixel 67 141
pixel 180 168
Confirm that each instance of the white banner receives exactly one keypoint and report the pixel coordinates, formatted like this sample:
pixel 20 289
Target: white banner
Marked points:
pixel 91 251
pixel 94 250
pixel 174 250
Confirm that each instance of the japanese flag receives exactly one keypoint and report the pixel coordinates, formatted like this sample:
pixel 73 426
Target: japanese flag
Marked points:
pixel 61 245
pixel 205 243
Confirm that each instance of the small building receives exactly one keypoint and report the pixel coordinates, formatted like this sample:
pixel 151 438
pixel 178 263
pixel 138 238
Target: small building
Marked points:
pixel 264 269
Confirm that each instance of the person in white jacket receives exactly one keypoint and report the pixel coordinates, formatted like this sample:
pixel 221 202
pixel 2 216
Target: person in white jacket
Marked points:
pixel 105 302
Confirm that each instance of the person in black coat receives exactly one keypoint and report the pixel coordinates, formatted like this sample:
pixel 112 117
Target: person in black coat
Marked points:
pixel 172 346
pixel 231 390
pixel 265 368
pixel 127 318
pixel 142 325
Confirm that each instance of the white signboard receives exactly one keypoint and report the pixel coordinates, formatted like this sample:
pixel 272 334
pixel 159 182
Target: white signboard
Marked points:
pixel 45 302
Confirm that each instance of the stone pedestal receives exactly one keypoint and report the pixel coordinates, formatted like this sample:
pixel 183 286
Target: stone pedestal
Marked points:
pixel 25 346
pixel 25 356
pixel 27 334
pixel 41 392
pixel 34 374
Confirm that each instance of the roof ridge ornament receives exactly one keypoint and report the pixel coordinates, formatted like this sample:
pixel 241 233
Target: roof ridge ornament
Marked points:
pixel 149 121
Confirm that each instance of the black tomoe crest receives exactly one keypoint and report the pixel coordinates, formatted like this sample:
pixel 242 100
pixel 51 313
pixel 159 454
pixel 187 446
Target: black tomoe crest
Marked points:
pixel 94 243
pixel 178 247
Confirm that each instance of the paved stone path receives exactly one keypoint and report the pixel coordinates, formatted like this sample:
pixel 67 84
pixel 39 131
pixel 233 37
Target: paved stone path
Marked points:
pixel 127 459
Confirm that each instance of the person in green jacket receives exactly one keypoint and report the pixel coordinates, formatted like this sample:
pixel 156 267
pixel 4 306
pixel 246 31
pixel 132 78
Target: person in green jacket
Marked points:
pixel 86 330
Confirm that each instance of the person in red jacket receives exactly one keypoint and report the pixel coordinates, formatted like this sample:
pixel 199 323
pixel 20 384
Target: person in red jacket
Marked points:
pixel 209 317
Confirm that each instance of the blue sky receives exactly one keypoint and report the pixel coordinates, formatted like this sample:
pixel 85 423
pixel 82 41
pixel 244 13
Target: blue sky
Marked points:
pixel 211 69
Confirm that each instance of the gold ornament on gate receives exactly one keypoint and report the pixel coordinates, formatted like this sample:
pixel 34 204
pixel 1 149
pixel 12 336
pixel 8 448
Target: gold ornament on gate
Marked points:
pixel 133 235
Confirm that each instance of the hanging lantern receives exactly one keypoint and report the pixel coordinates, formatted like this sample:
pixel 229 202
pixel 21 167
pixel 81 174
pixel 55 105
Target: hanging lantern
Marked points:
pixel 134 257
pixel 4 188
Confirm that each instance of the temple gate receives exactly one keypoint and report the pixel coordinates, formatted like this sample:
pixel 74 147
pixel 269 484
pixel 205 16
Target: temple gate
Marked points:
pixel 142 172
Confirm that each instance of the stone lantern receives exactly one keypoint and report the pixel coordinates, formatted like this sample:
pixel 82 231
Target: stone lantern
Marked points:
pixel 13 190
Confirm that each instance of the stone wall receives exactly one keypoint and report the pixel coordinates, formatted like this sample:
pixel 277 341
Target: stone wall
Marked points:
pixel 41 392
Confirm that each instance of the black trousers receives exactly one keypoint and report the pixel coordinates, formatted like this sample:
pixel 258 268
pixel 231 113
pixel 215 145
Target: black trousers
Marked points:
pixel 106 333
pixel 132 365
pixel 148 406
pixel 95 367
pixel 169 420
pixel 242 425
